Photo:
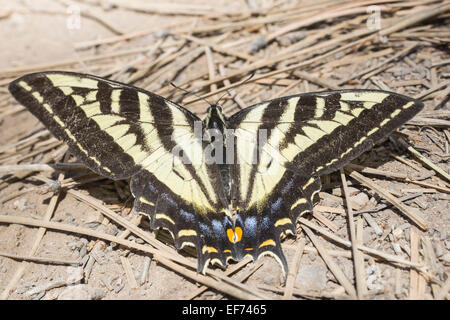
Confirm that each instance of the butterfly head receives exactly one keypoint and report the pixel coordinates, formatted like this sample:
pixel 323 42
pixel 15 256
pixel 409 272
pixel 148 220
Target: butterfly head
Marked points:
pixel 215 119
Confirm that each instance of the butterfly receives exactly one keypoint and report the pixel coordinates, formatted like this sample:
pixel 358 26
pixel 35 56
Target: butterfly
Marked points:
pixel 228 186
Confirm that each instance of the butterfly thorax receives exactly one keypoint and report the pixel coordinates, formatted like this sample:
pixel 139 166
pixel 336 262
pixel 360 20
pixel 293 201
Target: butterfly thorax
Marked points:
pixel 215 126
pixel 215 119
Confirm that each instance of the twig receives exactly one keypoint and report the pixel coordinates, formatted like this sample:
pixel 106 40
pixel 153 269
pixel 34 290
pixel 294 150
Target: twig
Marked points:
pixel 325 221
pixel 359 278
pixel 413 275
pixel 39 259
pixel 41 167
pixel 290 281
pixel 129 272
pixel 359 257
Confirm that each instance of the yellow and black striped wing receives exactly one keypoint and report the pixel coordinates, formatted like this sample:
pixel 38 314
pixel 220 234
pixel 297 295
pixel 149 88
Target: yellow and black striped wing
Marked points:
pixel 284 145
pixel 121 131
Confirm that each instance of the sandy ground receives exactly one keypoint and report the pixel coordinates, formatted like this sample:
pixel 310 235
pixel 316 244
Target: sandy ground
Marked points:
pixel 43 37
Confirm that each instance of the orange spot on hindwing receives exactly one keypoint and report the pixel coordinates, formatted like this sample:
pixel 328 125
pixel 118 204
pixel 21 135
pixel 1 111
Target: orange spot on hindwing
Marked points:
pixel 238 233
pixel 234 236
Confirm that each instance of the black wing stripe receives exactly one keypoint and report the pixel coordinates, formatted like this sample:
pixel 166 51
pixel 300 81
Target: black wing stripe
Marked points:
pixel 70 123
pixel 103 96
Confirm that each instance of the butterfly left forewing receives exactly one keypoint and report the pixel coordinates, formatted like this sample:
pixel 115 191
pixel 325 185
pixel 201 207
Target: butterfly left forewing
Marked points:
pixel 121 131
pixel 303 137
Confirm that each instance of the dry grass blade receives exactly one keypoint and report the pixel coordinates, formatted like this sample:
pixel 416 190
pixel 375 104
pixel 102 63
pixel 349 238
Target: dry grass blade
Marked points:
pixel 413 275
pixel 129 272
pixel 359 272
pixel 359 258
pixel 41 167
pixel 290 281
pixel 39 259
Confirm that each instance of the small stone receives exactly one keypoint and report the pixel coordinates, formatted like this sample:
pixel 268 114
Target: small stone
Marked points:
pixel 74 274
pixel 162 33
pixel 445 258
pixel 368 234
pixel 397 233
pixel 270 279
pixel 442 234
pixel 112 229
pixel 81 292
pixel 118 285
pixel 447 244
pixel 359 200
pixel 311 277
pixel 312 256
pixel 396 248
pixel 438 249
pixel 404 226
pixel 83 251
pixel 257 44
pixel 20 204
pixel 21 290
pixel 373 279
pixel 94 220
pixel 78 292
pixel 292 38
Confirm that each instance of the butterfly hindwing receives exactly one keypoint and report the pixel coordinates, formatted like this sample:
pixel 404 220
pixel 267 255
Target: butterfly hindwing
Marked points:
pixel 121 131
pixel 284 145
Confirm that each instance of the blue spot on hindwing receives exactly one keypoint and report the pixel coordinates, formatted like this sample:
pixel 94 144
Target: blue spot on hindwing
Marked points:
pixel 218 228
pixel 168 199
pixel 204 229
pixel 251 226
pixel 187 216
pixel 276 206
pixel 265 223
pixel 151 187
pixel 288 186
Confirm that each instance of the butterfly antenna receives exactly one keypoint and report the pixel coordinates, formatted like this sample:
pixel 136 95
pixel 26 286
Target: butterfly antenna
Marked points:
pixel 243 82
pixel 190 92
